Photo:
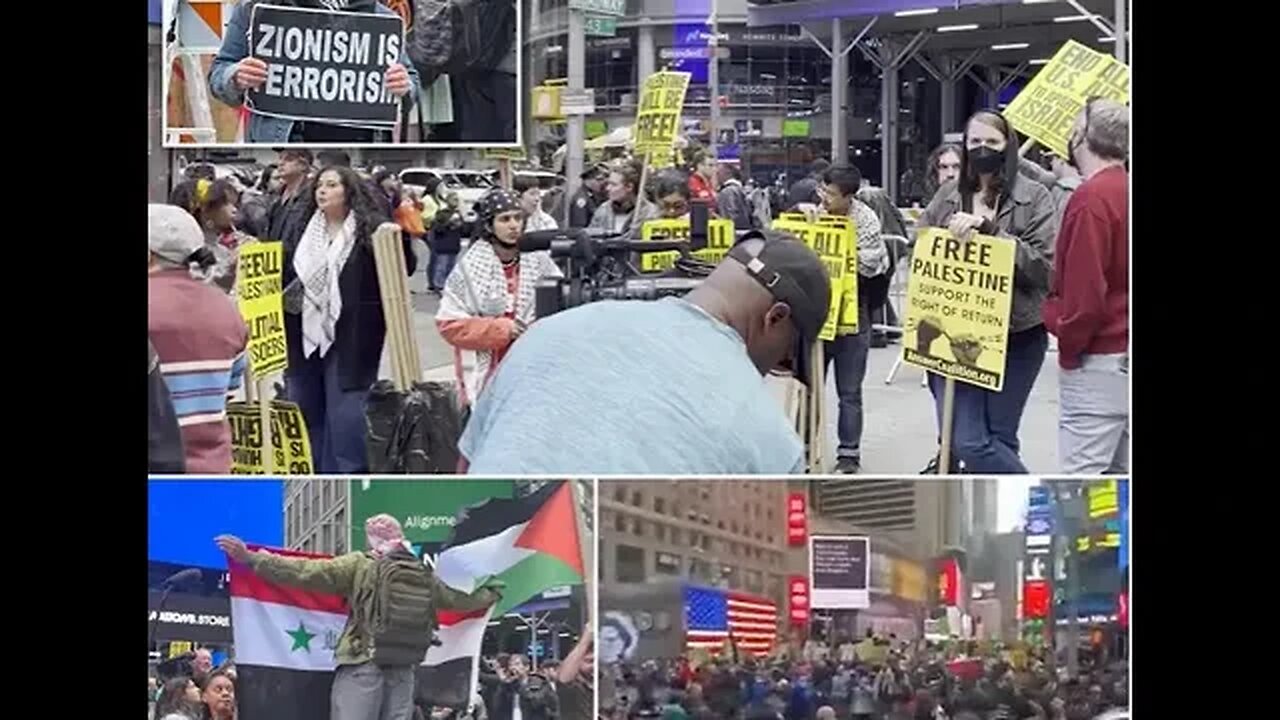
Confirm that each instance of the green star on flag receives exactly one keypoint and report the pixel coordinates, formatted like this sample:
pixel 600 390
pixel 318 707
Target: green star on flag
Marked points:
pixel 301 638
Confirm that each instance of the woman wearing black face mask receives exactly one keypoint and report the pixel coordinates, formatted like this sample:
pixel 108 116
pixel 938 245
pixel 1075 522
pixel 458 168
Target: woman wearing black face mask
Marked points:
pixel 488 299
pixel 990 198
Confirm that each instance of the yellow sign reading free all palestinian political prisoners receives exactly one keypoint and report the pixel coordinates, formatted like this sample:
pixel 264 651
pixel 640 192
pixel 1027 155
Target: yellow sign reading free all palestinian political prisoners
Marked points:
pixel 959 295
pixel 1048 106
pixel 719 240
pixel 260 294
pixel 828 241
pixel 289 439
pixel 658 117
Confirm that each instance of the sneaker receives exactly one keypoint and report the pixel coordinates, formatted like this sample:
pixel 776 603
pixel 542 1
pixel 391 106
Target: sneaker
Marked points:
pixel 957 467
pixel 848 466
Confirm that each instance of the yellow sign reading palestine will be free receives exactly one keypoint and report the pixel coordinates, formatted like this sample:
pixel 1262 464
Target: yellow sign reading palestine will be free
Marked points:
pixel 260 294
pixel 658 116
pixel 719 240
pixel 830 242
pixel 959 295
pixel 1048 106
pixel 289 440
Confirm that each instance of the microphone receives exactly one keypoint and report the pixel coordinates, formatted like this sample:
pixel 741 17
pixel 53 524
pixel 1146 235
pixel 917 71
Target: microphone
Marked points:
pixel 182 576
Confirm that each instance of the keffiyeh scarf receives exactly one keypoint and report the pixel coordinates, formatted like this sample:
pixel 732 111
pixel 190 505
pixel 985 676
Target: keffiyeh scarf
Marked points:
pixel 477 287
pixel 318 261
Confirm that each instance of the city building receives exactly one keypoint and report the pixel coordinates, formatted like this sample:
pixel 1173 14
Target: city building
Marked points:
pixel 315 512
pixel 725 533
pixel 927 517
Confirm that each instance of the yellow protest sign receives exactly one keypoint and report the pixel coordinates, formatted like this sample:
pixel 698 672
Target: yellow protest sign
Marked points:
pixel 958 300
pixel 828 241
pixel 179 647
pixel 260 294
pixel 847 322
pixel 545 103
pixel 658 116
pixel 719 240
pixel 1047 107
pixel 289 439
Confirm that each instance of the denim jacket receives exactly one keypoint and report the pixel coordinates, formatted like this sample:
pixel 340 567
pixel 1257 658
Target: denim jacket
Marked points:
pixel 235 47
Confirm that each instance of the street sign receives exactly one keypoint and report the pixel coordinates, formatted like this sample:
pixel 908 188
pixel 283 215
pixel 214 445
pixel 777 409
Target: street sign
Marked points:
pixel 577 102
pixel 693 53
pixel 616 8
pixel 600 26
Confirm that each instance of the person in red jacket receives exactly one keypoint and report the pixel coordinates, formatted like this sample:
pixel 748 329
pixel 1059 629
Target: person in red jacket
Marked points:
pixel 1088 308
pixel 703 179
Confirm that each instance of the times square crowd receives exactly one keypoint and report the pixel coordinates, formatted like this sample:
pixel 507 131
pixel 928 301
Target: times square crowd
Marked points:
pixel 189 687
pixel 1067 217
pixel 925 680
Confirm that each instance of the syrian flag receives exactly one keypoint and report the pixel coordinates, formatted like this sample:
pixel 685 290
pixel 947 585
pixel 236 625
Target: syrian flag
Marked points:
pixel 285 640
pixel 530 543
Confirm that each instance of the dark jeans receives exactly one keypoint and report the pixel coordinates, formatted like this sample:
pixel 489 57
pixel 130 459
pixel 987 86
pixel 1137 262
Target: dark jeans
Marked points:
pixel 849 355
pixel 441 268
pixel 985 424
pixel 335 417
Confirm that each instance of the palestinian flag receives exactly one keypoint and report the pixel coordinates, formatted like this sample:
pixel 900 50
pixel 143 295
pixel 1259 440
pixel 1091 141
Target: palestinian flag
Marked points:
pixel 285 638
pixel 531 543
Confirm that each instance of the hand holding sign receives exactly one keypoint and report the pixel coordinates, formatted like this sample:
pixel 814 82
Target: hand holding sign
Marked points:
pixel 963 224
pixel 251 74
pixel 397 80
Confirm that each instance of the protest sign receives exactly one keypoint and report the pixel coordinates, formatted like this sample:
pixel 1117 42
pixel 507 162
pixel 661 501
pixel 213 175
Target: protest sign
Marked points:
pixel 260 294
pixel 828 241
pixel 504 153
pixel 291 446
pixel 958 300
pixel 847 322
pixel 1047 107
pixel 325 66
pixel 719 240
pixel 658 116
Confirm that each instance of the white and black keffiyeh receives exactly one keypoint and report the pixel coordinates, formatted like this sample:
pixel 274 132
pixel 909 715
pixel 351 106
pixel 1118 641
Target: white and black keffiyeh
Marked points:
pixel 318 261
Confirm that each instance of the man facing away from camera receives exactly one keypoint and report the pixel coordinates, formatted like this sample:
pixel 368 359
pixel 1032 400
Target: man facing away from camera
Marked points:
pixel 672 386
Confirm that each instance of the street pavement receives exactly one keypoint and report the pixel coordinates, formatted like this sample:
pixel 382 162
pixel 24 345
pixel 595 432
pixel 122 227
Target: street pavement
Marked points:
pixel 899 434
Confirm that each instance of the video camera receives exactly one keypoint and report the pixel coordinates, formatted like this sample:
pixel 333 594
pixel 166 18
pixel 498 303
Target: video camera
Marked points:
pixel 600 266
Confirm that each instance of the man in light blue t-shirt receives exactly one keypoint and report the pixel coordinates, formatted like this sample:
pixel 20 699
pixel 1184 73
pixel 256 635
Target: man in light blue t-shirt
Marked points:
pixel 671 387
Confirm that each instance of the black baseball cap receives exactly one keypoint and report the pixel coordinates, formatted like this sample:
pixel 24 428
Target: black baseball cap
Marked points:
pixel 795 275
pixel 596 170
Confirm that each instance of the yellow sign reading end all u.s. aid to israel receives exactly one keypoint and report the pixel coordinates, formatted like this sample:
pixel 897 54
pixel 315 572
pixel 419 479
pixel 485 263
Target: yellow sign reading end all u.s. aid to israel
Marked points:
pixel 719 240
pixel 959 295
pixel 658 116
pixel 847 323
pixel 828 241
pixel 1047 107
pixel 260 295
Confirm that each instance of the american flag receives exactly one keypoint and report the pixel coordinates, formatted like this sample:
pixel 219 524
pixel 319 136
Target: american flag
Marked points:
pixel 710 615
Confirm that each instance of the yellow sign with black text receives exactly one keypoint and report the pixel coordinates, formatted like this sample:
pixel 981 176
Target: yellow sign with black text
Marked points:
pixel 719 240
pixel 658 116
pixel 828 241
pixel 847 323
pixel 959 295
pixel 289 440
pixel 260 294
pixel 1047 107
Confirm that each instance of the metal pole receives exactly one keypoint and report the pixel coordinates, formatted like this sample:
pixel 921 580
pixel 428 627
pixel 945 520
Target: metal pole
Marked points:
pixel 948 105
pixel 1122 32
pixel 574 129
pixel 839 123
pixel 1073 591
pixel 713 77
pixel 887 79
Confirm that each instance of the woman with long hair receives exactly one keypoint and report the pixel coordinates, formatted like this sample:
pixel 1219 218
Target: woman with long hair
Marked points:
pixel 180 697
pixel 333 317
pixel 989 197
pixel 489 298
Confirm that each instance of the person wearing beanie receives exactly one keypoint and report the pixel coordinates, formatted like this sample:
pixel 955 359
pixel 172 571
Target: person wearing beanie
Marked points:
pixel 489 298
pixel 198 335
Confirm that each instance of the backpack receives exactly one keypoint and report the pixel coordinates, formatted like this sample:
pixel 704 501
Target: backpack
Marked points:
pixel 402 621
pixel 459 36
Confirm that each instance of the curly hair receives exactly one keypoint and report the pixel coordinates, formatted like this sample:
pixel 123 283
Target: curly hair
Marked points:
pixel 201 197
pixel 931 183
pixel 359 200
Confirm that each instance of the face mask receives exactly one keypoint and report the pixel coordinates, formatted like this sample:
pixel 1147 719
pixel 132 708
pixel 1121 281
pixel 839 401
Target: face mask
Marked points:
pixel 985 160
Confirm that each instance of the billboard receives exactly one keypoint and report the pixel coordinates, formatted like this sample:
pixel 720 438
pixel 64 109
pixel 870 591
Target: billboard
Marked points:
pixel 839 571
pixel 949 580
pixel 183 517
pixel 426 510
